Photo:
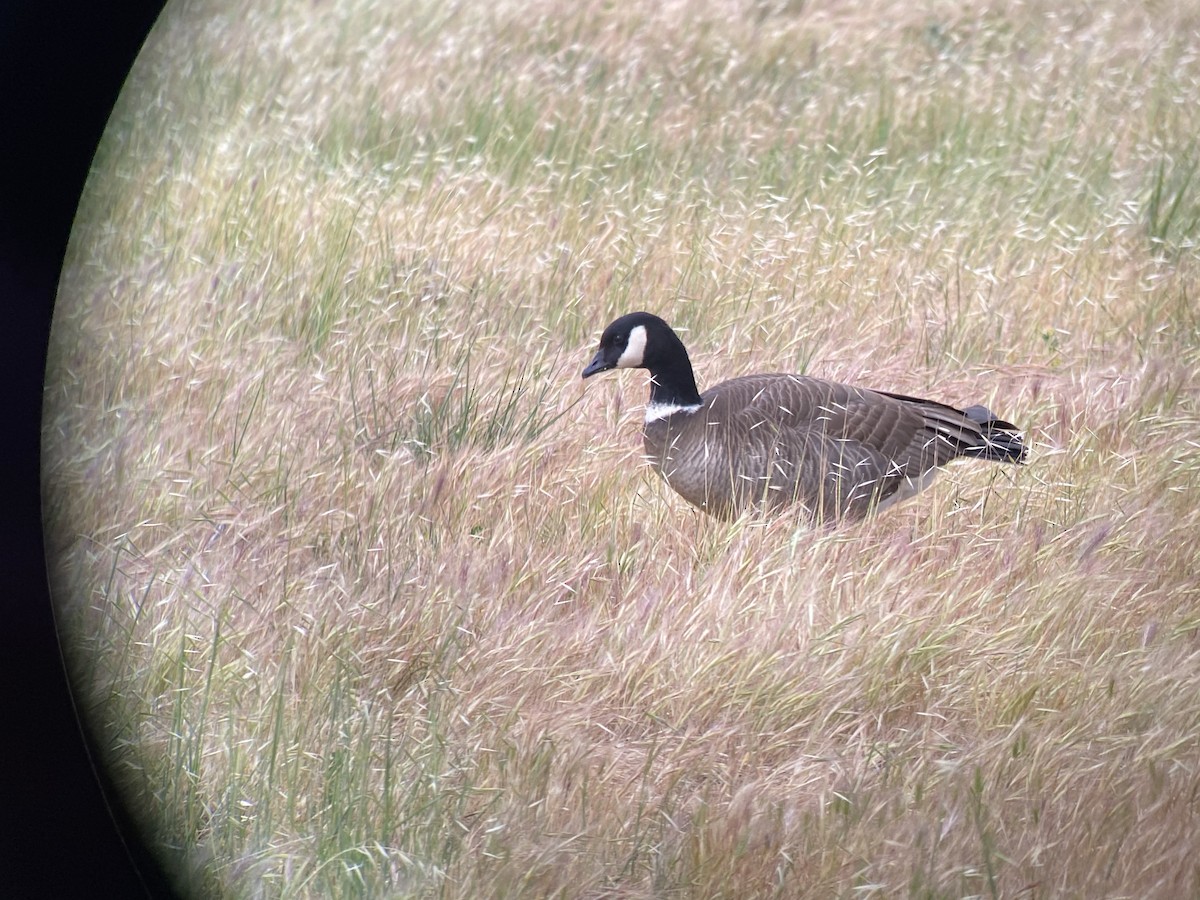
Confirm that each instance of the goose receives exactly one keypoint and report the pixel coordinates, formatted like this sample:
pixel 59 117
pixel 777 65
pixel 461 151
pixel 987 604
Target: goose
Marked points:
pixel 771 441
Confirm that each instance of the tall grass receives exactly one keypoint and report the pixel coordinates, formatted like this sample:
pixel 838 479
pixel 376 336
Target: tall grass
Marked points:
pixel 369 597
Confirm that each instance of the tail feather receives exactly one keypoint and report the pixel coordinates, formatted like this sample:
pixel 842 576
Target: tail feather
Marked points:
pixel 1002 439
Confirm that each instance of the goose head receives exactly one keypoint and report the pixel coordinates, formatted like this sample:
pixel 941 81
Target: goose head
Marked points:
pixel 633 341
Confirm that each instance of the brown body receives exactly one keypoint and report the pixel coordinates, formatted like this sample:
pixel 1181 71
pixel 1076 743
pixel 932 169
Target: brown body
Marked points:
pixel 769 441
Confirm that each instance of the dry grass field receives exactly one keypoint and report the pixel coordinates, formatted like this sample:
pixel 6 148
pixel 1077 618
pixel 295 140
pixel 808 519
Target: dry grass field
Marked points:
pixel 370 596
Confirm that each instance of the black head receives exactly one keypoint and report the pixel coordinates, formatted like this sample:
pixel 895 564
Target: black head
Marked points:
pixel 632 342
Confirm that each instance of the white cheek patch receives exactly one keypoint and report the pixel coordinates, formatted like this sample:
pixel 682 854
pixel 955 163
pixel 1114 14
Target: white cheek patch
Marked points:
pixel 635 350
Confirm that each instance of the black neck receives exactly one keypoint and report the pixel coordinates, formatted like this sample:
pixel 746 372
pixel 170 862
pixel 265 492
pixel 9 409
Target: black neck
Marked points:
pixel 672 381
